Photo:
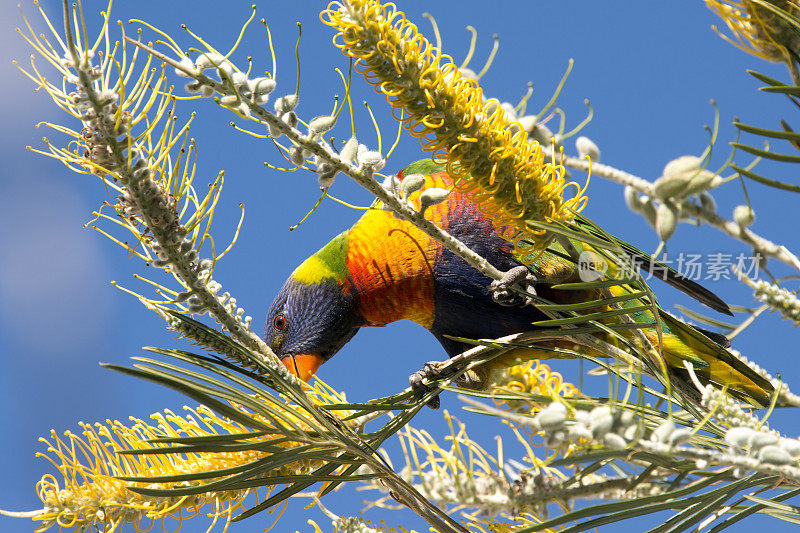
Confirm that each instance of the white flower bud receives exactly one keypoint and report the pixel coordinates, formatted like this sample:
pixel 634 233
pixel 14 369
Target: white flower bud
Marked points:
pixel 320 125
pixel 371 159
pixel 550 420
pixel 701 181
pixel 412 184
pixel 511 113
pixel 744 216
pixel 792 446
pixel 468 73
pixel 739 436
pixel 614 441
pixel 632 199
pixel 430 197
pixel 553 416
pixel 707 202
pixel 391 184
pixel 284 104
pixel 601 424
pixel 527 122
pixel 243 109
pixel 261 86
pixel 239 79
pixel 208 60
pixel 774 455
pixel 670 186
pixel 666 220
pixel 229 99
pixel 187 64
pixel 541 133
pixel 663 431
pixel 679 436
pixel 649 211
pixel 296 155
pixel 678 173
pixel 290 119
pixel 274 131
pixel 760 439
pixel 686 164
pixel 349 150
pixel 586 147
pixel 326 178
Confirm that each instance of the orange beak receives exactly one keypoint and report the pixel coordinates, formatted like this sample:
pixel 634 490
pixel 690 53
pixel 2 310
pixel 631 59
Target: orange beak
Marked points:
pixel 302 365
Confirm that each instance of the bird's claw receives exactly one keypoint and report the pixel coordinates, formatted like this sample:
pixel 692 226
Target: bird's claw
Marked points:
pixel 430 371
pixel 503 294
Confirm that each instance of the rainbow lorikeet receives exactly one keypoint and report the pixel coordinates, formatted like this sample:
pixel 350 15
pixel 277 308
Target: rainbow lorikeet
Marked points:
pixel 384 269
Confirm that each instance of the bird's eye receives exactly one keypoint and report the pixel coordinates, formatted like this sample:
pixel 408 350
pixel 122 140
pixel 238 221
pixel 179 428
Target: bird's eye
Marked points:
pixel 279 322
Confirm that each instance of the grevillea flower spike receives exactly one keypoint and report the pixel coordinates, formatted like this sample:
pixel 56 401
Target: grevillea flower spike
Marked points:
pixel 510 179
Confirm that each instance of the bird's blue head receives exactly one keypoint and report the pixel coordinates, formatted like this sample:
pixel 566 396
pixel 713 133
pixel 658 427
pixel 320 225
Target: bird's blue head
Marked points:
pixel 314 313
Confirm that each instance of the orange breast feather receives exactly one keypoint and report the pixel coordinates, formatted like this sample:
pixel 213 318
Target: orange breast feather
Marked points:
pixel 392 264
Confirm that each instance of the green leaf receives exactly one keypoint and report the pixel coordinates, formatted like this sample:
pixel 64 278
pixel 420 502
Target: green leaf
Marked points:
pixel 766 79
pixel 766 181
pixel 767 154
pixel 774 134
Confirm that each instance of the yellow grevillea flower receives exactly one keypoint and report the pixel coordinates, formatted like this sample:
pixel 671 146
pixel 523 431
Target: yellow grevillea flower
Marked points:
pixel 89 493
pixel 511 179
pixel 762 31
pixel 534 377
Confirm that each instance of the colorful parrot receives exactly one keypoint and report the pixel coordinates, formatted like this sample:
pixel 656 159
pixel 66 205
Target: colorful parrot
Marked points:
pixel 384 269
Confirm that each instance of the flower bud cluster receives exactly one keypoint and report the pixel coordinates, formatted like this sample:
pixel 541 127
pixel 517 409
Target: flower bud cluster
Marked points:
pixel 241 94
pixel 143 199
pixel 727 411
pixel 767 446
pixel 613 428
pixel 778 298
pixel 682 177
pixel 245 91
pixel 196 305
pixel 410 185
pixel 284 110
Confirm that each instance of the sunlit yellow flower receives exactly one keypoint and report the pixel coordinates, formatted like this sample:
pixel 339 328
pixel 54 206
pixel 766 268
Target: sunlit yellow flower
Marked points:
pixel 766 32
pixel 533 378
pixel 512 181
pixel 90 494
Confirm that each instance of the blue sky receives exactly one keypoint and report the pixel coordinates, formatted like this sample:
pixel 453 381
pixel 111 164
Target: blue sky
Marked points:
pixel 649 69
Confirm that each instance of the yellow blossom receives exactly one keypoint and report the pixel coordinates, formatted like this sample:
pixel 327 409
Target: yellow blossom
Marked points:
pixel 96 466
pixel 769 32
pixel 533 378
pixel 510 179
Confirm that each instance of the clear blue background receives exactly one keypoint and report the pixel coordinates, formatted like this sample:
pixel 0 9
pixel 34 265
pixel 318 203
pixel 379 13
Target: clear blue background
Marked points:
pixel 649 68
